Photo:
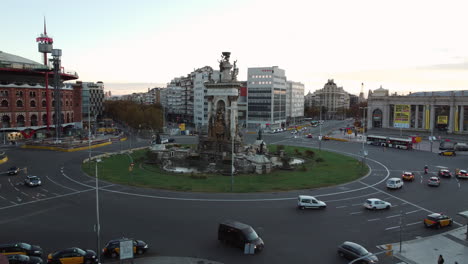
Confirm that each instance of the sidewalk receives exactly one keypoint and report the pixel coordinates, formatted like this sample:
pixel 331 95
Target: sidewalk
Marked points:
pixel 452 245
pixel 169 260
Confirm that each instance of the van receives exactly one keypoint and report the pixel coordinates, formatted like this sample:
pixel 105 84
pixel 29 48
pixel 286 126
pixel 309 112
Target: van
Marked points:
pixel 239 234
pixel 394 183
pixel 305 201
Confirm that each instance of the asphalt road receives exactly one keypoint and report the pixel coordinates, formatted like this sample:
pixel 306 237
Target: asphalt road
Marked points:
pixel 62 212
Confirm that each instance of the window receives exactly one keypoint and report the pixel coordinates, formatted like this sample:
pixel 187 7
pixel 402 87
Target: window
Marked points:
pixel 32 94
pixel 44 104
pixel 32 103
pixel 4 103
pixel 19 103
pixel 19 93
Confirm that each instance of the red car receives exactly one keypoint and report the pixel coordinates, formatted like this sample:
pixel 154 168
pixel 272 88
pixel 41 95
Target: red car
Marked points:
pixel 444 173
pixel 309 136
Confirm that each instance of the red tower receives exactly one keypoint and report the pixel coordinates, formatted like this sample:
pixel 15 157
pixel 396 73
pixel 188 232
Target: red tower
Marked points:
pixel 45 46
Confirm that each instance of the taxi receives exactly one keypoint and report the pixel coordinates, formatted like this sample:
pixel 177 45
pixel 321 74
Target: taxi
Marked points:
pixel 462 174
pixel 20 248
pixel 407 176
pixel 447 153
pixel 112 248
pixel 72 255
pixel 437 220
pixel 444 173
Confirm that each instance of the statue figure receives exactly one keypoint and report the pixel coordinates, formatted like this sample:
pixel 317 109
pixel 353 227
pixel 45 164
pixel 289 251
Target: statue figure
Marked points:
pixel 158 139
pixel 235 71
pixel 220 125
pixel 260 150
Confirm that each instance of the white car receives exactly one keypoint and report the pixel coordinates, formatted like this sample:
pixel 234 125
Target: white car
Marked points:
pixel 375 204
pixel 394 183
pixel 305 201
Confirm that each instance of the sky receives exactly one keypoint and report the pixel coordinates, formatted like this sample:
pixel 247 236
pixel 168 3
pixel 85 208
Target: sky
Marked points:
pixel 404 46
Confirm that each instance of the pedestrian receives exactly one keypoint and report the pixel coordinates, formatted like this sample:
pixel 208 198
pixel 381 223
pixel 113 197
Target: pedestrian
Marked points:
pixel 440 260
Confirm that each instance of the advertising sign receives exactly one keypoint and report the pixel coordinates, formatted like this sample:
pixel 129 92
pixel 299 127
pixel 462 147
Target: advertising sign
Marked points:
pixel 402 116
pixel 126 249
pixel 442 120
pixel 182 127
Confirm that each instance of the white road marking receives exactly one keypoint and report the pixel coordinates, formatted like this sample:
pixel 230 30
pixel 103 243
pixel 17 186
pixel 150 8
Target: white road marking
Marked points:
pixel 13 202
pixel 392 216
pixel 353 213
pixel 410 212
pixel 25 194
pixel 56 194
pixel 16 189
pixel 18 199
pixel 45 199
pixel 415 223
pixel 2 197
pixel 356 204
pixel 44 189
pixel 63 186
pixel 343 206
pixel 393 227
pixel 374 219
pixel 349 198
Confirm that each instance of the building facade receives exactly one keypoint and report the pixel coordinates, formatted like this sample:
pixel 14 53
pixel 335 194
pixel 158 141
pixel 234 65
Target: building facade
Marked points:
pixel 266 97
pixel 421 111
pixel 26 104
pixel 294 101
pixel 334 98
pixel 93 98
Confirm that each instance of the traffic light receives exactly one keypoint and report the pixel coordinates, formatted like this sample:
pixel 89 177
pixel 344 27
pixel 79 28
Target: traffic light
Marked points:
pixel 389 248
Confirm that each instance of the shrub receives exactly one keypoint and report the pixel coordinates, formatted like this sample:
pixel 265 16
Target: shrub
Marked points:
pixel 310 153
pixel 319 160
pixel 297 152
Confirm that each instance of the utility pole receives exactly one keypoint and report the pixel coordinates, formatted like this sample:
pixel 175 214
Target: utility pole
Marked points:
pixel 320 127
pixel 401 228
pixel 98 225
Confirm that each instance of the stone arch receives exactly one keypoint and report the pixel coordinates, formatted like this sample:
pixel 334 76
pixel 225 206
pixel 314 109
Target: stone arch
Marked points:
pixel 44 103
pixel 6 121
pixel 377 118
pixel 19 103
pixel 32 103
pixel 4 103
pixel 34 121
pixel 44 119
pixel 20 121
pixel 68 116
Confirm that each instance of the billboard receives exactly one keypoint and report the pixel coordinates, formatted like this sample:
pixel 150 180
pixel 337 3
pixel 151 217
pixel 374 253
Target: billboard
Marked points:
pixel 442 120
pixel 401 116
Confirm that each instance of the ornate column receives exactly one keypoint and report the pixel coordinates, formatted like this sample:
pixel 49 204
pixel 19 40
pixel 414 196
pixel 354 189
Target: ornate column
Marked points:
pixel 416 115
pixel 451 119
pixel 424 124
pixel 385 113
pixel 431 117
pixel 462 115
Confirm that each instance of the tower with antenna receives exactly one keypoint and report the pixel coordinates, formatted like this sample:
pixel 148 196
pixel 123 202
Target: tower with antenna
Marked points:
pixel 45 46
pixel 361 94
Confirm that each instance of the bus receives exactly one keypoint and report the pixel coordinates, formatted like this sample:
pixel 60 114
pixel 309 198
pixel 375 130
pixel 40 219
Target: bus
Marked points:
pixel 391 142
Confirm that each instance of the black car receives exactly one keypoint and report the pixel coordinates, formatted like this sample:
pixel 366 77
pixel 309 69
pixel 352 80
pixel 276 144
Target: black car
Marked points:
pixel 13 170
pixel 23 259
pixel 112 248
pixel 73 255
pixel 20 248
pixel 351 251
pixel 239 234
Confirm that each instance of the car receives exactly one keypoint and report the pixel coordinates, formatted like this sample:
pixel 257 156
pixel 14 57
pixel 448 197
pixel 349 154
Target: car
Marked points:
pixel 72 255
pixel 437 220
pixel 32 181
pixel 351 250
pixel 305 201
pixel 433 181
pixel 374 204
pixel 444 173
pixel 239 234
pixel 23 259
pixel 325 138
pixel 20 248
pixel 171 140
pixel 447 153
pixel 164 141
pixel 309 135
pixel 407 176
pixel 394 183
pixel 112 248
pixel 462 174
pixel 13 170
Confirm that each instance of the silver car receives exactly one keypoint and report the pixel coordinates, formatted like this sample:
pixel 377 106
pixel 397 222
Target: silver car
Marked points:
pixel 32 181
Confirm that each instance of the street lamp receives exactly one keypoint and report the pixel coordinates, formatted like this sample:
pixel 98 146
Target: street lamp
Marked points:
pixel 364 152
pixel 56 54
pixel 98 225
pixel 320 128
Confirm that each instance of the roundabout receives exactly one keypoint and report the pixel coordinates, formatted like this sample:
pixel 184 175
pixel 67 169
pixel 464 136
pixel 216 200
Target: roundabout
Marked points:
pixel 61 213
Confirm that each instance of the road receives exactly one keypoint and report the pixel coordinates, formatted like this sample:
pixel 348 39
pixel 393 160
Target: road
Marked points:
pixel 62 212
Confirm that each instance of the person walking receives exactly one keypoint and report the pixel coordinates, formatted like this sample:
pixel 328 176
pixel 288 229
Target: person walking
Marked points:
pixel 440 260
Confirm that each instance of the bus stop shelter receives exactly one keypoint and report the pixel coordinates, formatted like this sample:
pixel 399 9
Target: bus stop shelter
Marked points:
pixel 465 215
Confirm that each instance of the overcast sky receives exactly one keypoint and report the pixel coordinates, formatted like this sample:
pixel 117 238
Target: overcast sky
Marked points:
pixel 404 46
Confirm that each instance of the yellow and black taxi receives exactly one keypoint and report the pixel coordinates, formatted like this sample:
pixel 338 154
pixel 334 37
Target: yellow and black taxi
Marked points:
pixel 112 248
pixel 462 174
pixel 444 173
pixel 407 176
pixel 437 220
pixel 447 153
pixel 73 255
pixel 20 248
pixel 23 259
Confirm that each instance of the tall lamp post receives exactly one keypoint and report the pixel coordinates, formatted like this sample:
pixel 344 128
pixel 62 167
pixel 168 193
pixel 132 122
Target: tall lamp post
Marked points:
pixel 98 224
pixel 364 120
pixel 56 54
pixel 320 128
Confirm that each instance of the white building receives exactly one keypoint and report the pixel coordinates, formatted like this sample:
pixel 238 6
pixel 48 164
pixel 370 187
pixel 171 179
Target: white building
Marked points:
pixel 294 101
pixel 332 97
pixel 266 97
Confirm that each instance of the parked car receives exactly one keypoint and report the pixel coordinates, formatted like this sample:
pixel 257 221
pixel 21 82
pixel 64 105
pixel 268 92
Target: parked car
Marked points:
pixel 407 176
pixel 374 204
pixel 23 259
pixel 72 255
pixel 305 201
pixel 437 220
pixel 32 181
pixel 20 248
pixel 351 251
pixel 433 181
pixel 13 170
pixel 462 174
pixel 238 234
pixel 447 153
pixel 394 183
pixel 444 173
pixel 112 248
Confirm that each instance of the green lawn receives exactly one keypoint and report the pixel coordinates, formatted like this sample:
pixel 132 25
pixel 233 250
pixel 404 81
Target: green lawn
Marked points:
pixel 334 169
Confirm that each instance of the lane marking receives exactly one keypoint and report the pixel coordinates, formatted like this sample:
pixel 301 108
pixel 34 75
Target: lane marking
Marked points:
pixel 353 213
pixel 374 219
pixel 25 194
pixel 415 223
pixel 393 227
pixel 407 202
pixel 44 189
pixel 63 186
pixel 343 206
pixel 3 197
pixel 44 199
pixel 410 212
pixel 356 204
pixel 392 216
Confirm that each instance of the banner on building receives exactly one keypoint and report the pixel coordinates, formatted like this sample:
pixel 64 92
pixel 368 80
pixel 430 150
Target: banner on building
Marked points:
pixel 402 116
pixel 442 120
pixel 182 127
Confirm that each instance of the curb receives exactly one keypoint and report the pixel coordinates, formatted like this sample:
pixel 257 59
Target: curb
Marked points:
pixel 5 159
